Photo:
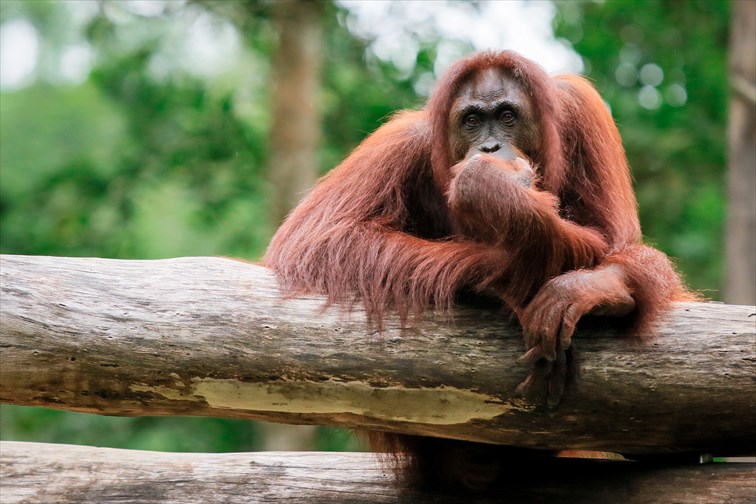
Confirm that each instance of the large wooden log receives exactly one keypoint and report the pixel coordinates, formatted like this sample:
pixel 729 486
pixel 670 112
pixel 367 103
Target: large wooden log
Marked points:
pixel 211 336
pixel 38 472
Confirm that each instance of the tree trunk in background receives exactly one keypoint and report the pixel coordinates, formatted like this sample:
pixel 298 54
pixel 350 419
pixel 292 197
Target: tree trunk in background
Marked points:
pixel 295 132
pixel 740 256
pixel 294 140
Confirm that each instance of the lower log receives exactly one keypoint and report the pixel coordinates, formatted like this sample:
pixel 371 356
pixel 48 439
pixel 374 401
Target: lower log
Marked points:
pixel 38 472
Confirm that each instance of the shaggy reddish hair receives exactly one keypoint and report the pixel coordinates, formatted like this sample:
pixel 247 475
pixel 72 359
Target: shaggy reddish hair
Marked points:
pixel 378 228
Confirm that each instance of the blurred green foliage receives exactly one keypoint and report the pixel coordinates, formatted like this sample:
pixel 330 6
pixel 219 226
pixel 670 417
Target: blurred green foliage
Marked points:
pixel 148 159
pixel 145 433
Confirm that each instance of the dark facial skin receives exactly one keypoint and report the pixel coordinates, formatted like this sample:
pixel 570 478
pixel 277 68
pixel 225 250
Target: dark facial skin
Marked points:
pixel 493 115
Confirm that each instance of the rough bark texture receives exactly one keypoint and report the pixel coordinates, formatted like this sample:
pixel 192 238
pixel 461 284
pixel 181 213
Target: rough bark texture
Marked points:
pixel 740 260
pixel 43 473
pixel 211 336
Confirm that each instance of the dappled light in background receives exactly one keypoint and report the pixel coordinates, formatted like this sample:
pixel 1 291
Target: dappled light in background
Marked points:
pixel 19 50
pixel 398 30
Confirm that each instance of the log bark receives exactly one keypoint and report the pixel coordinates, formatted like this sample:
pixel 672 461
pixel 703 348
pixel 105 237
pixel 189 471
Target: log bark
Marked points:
pixel 212 336
pixel 42 473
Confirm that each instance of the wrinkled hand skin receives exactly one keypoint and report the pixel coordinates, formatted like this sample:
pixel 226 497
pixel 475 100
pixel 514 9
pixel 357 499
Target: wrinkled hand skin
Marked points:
pixel 492 199
pixel 549 321
pixel 517 168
